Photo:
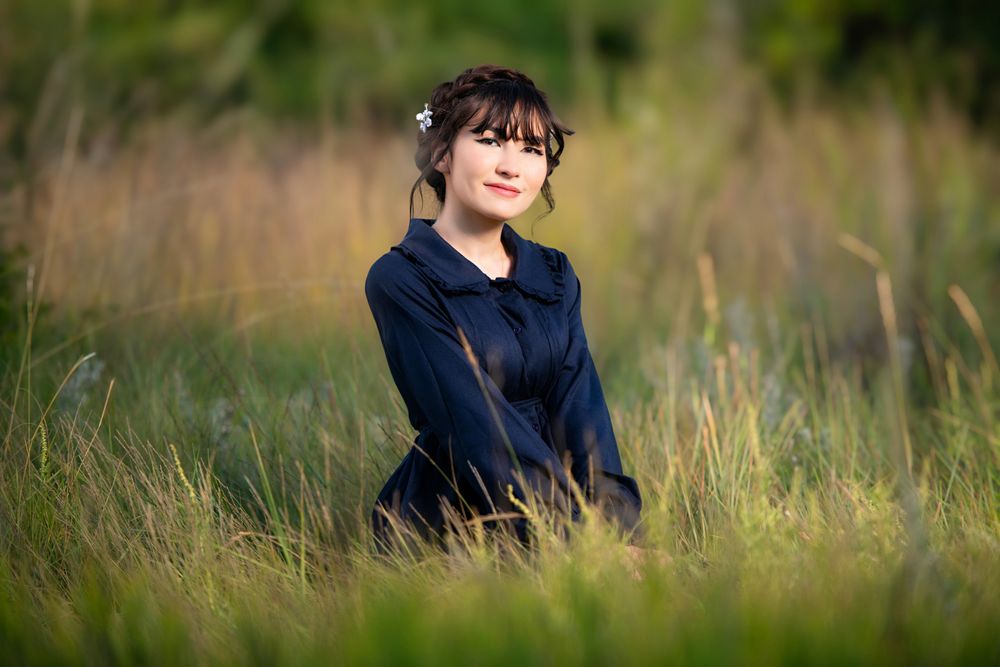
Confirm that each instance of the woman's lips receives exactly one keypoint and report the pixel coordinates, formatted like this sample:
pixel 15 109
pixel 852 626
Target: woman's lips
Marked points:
pixel 503 192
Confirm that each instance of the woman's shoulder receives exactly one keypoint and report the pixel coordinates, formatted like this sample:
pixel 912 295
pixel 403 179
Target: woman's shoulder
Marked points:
pixel 392 273
pixel 394 287
pixel 558 263
pixel 388 268
pixel 557 260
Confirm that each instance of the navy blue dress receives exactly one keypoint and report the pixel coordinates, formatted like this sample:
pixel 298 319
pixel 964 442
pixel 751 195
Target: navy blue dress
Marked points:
pixel 536 378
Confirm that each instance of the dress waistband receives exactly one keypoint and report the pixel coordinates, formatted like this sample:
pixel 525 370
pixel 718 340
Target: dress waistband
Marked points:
pixel 532 409
pixel 533 400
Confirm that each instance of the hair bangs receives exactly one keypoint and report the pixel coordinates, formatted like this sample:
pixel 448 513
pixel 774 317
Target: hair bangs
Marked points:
pixel 514 111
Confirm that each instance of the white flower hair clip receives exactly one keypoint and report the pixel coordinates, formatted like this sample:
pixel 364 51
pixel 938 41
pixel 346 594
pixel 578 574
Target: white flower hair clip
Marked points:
pixel 425 118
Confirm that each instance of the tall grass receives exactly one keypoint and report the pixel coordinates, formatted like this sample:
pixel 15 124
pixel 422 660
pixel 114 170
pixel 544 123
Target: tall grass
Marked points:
pixel 794 315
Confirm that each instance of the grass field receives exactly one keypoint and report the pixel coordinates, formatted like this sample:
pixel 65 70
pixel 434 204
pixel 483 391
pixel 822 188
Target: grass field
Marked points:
pixel 794 314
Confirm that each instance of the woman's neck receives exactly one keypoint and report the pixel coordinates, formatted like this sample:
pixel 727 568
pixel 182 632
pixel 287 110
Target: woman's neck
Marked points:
pixel 479 241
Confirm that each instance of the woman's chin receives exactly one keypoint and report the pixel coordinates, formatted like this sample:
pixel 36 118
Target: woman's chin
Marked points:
pixel 502 213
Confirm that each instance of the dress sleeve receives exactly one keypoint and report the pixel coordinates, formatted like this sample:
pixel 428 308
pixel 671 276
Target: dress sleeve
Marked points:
pixel 581 424
pixel 441 389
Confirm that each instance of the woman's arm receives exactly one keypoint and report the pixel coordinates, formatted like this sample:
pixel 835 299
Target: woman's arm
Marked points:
pixel 581 422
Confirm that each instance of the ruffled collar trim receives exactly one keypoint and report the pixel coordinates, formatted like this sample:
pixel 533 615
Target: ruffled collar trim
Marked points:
pixel 536 268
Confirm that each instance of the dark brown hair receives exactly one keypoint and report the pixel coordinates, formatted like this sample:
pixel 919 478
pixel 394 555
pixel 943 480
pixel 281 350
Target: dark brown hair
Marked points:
pixel 513 107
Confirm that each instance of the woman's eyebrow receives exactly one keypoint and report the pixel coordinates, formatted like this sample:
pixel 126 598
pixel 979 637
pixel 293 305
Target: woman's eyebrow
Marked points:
pixel 499 132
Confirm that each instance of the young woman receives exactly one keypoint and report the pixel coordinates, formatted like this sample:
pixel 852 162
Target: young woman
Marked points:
pixel 482 330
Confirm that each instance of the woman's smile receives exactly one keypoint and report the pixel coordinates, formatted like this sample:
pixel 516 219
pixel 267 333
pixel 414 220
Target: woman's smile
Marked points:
pixel 508 191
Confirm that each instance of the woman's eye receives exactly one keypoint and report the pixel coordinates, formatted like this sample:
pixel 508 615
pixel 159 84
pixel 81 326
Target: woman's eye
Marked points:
pixel 486 140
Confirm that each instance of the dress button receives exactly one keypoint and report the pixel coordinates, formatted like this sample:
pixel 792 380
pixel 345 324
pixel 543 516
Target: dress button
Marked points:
pixel 534 426
pixel 518 330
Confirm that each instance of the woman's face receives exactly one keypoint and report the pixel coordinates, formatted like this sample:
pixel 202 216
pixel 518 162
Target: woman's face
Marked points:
pixel 490 177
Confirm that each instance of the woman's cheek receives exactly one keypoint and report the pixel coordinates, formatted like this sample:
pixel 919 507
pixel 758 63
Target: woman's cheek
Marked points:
pixel 538 176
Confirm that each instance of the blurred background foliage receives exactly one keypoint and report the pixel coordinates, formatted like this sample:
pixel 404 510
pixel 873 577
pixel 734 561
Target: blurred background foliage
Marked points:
pixel 763 134
pixel 364 62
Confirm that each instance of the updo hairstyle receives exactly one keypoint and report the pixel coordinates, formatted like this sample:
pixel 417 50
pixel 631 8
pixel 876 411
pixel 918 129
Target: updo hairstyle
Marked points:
pixel 512 106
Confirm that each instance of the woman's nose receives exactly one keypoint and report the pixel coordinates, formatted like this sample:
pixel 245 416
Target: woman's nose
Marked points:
pixel 507 166
pixel 509 156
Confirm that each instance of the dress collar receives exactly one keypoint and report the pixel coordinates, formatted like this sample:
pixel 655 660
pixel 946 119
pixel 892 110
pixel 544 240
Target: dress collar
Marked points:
pixel 535 272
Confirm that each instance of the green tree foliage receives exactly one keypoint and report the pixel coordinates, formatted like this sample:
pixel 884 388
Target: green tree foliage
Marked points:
pixel 365 61
pixel 916 44
pixel 354 62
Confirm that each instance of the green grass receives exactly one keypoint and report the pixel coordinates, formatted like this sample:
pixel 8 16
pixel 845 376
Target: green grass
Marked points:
pixel 796 540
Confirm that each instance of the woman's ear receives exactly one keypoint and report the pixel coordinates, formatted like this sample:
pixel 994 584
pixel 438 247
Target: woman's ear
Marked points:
pixel 443 165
